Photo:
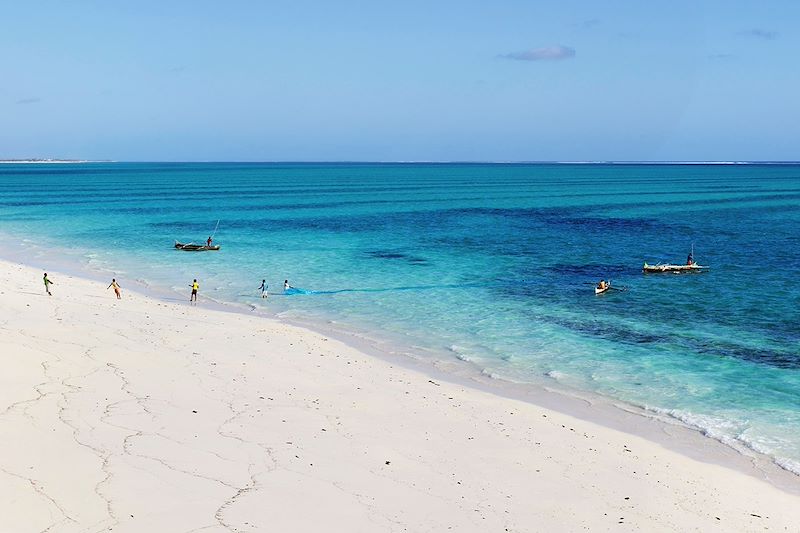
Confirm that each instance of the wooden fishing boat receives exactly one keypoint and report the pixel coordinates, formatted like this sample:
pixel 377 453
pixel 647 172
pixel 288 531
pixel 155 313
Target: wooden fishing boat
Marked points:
pixel 192 247
pixel 675 269
pixel 689 266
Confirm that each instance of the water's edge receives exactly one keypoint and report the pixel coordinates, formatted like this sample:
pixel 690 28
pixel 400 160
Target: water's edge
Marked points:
pixel 661 428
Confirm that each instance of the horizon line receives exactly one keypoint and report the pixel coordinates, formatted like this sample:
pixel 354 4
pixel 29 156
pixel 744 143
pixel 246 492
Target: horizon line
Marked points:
pixel 421 161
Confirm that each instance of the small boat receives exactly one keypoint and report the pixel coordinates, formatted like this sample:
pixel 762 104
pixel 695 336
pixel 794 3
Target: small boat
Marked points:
pixel 689 266
pixel 192 247
pixel 598 290
pixel 676 269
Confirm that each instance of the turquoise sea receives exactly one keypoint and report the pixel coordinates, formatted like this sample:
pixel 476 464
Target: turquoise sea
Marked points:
pixel 488 263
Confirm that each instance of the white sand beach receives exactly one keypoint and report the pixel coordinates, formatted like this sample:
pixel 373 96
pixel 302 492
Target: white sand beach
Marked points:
pixel 147 415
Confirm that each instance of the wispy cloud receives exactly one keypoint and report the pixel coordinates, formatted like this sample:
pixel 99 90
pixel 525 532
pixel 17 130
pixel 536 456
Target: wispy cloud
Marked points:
pixel 549 53
pixel 758 33
pixel 722 57
pixel 32 100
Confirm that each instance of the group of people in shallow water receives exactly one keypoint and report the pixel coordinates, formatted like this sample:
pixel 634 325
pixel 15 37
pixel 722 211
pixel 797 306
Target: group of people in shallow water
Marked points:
pixel 195 286
pixel 264 288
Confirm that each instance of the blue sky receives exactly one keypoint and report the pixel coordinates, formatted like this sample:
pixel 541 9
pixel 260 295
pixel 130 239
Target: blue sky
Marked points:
pixel 413 80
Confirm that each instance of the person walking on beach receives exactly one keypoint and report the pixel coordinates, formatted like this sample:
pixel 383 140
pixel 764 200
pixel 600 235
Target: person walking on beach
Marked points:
pixel 195 287
pixel 263 288
pixel 116 288
pixel 47 284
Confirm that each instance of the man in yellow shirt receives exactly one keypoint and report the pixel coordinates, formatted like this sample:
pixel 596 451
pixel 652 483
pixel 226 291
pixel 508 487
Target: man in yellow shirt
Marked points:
pixel 195 288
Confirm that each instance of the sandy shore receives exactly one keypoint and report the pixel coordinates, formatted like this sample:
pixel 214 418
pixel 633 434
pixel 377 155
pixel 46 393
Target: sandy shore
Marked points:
pixel 147 415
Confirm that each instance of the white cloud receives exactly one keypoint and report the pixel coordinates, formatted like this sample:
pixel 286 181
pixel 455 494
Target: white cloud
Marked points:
pixel 758 33
pixel 549 53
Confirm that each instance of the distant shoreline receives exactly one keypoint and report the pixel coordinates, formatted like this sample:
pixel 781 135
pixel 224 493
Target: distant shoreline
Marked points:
pixel 47 161
pixel 420 162
pixel 475 162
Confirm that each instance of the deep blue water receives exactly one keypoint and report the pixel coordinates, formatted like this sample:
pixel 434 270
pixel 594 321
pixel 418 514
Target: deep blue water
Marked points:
pixel 492 264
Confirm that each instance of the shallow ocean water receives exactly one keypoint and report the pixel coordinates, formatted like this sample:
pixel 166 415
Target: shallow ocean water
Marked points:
pixel 489 263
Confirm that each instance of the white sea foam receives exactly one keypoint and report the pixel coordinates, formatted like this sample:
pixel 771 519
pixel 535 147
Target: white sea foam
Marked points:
pixel 555 374
pixel 731 433
pixel 459 353
pixel 720 429
pixel 489 374
pixel 788 464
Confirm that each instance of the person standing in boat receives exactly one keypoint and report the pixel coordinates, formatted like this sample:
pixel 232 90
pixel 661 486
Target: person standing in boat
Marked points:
pixel 195 287
pixel 209 241
pixel 116 288
pixel 690 259
pixel 47 284
pixel 263 288
pixel 286 285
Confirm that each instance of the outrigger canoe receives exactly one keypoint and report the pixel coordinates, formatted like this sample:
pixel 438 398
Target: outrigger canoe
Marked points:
pixel 192 247
pixel 676 269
